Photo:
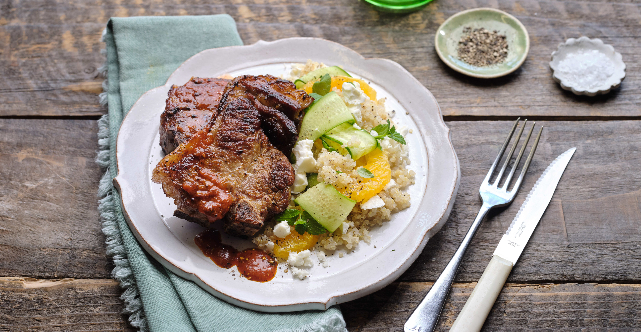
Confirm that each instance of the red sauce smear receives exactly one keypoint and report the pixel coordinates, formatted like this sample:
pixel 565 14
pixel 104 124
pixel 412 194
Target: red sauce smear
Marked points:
pixel 253 264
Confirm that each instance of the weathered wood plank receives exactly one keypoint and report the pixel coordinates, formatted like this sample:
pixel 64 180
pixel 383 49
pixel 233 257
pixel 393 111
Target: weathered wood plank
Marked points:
pixel 520 307
pixel 49 223
pixel 61 305
pixel 94 305
pixel 50 226
pixel 590 230
pixel 49 51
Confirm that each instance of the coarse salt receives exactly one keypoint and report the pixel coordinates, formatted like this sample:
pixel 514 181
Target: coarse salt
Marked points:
pixel 586 69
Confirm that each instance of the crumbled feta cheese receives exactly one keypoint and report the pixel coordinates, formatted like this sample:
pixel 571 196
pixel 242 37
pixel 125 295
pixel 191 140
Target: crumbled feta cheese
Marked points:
pixel 390 112
pixel 357 126
pixel 353 96
pixel 300 182
pixel 372 203
pixel 300 273
pixel 281 229
pixel 386 143
pixel 391 184
pixel 305 163
pixel 301 259
pixel 373 133
pixel 269 246
pixel 345 227
pixel 322 258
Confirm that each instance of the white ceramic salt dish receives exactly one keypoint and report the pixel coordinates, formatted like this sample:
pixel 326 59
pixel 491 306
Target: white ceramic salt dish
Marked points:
pixel 574 45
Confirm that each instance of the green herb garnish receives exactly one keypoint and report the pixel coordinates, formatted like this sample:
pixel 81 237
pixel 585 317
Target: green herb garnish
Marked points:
pixel 323 86
pixel 302 222
pixel 289 215
pixel 313 227
pixel 364 172
pixel 383 130
pixel 316 96
pixel 307 223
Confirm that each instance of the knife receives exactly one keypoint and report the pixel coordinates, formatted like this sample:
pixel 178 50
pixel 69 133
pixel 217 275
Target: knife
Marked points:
pixel 510 247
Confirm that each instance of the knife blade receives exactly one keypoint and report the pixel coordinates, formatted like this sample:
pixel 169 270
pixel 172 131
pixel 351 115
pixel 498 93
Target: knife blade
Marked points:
pixel 510 247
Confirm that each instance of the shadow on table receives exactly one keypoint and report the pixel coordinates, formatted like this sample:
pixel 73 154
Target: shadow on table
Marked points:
pixel 378 310
pixel 479 82
pixel 596 100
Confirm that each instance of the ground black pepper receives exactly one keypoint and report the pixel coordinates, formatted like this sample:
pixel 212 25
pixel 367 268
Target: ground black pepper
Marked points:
pixel 480 47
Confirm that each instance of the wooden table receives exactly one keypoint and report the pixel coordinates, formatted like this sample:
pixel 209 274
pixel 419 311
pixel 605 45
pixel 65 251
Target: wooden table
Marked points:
pixel 580 271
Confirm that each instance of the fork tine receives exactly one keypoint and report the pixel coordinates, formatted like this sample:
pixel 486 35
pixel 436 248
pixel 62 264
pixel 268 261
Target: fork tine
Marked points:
pixel 498 158
pixel 509 155
pixel 527 162
pixel 518 159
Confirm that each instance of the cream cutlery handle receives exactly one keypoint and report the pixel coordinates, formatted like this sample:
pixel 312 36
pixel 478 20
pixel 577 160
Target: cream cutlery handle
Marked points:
pixel 482 299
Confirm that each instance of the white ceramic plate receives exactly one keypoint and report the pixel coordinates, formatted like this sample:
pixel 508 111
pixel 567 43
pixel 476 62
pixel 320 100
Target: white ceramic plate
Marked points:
pixel 394 246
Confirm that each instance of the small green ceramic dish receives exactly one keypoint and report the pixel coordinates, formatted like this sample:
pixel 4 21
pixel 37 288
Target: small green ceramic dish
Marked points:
pixel 398 6
pixel 450 32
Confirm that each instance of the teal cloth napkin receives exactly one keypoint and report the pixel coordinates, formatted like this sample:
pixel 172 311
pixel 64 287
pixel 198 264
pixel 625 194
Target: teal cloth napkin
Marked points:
pixel 141 54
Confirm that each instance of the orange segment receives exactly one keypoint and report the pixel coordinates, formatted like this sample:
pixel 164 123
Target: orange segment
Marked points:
pixel 377 163
pixel 294 242
pixel 337 82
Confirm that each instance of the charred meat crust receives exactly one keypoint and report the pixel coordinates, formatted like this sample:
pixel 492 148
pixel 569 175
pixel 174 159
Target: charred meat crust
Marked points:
pixel 189 109
pixel 279 103
pixel 232 171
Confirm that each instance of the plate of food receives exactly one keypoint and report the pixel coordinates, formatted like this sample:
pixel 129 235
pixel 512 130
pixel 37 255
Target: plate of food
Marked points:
pixel 287 175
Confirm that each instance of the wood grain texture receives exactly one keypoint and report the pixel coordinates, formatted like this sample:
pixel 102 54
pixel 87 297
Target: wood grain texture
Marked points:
pixel 49 223
pixel 519 307
pixel 578 273
pixel 94 305
pixel 50 51
pixel 590 231
pixel 61 305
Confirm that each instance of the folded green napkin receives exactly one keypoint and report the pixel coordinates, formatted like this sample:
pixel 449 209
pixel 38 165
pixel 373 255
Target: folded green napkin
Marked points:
pixel 141 54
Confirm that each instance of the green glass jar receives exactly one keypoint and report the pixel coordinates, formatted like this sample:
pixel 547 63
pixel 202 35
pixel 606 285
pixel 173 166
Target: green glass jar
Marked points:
pixel 398 6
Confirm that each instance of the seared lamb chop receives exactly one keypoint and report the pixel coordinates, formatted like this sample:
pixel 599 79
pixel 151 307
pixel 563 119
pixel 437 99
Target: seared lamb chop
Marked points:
pixel 279 103
pixel 232 171
pixel 189 109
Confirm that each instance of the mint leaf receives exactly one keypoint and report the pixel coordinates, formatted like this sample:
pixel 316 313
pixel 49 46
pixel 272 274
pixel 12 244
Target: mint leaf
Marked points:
pixel 364 172
pixel 314 228
pixel 397 136
pixel 382 130
pixel 289 215
pixel 316 96
pixel 300 226
pixel 387 129
pixel 323 86
pixel 306 223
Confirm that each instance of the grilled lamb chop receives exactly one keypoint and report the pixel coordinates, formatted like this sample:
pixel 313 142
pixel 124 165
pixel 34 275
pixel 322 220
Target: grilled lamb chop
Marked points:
pixel 279 104
pixel 189 109
pixel 232 171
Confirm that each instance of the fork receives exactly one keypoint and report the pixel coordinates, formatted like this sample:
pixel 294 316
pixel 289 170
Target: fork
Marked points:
pixel 426 315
